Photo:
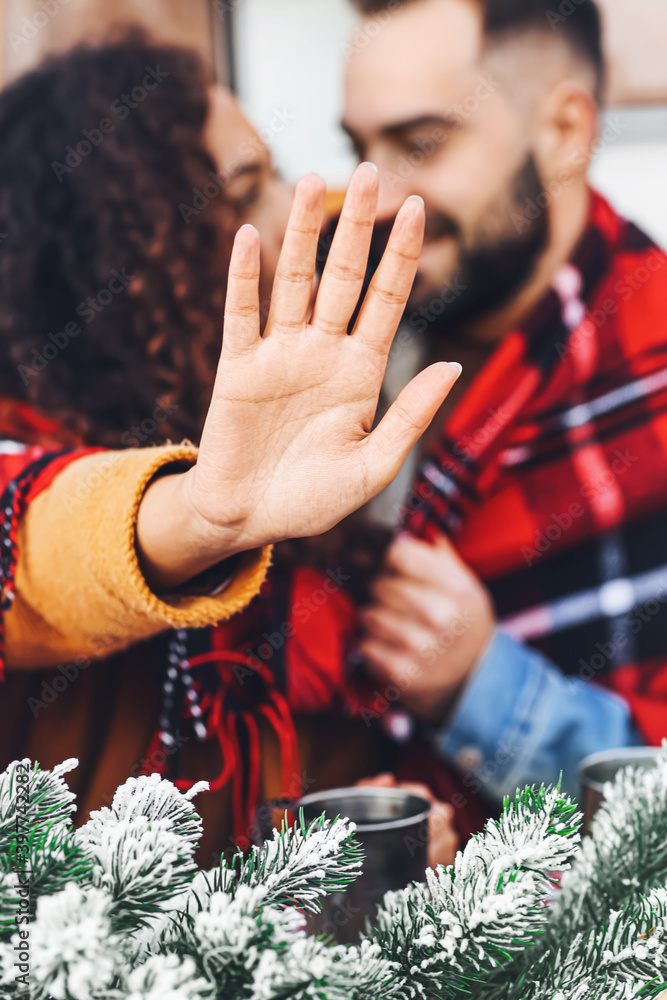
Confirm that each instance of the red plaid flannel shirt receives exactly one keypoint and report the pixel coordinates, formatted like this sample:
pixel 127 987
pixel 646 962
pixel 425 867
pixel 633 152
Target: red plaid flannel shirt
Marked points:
pixel 551 475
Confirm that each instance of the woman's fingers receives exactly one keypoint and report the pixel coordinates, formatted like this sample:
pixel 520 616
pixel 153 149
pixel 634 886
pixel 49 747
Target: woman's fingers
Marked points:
pixel 390 443
pixel 388 294
pixel 242 322
pixel 345 270
pixel 293 283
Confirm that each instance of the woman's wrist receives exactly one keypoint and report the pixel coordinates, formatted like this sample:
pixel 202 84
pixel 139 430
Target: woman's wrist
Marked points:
pixel 175 543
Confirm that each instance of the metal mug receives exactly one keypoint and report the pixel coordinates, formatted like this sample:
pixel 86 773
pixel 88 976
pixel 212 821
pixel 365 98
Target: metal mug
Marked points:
pixel 392 826
pixel 595 771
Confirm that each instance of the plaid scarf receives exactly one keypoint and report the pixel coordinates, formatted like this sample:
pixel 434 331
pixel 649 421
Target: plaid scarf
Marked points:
pixel 551 475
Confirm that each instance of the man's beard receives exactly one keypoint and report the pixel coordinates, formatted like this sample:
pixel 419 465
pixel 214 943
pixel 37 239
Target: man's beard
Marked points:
pixel 494 268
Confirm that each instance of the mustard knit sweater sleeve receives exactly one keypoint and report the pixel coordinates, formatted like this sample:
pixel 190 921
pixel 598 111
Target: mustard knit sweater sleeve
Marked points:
pixel 79 587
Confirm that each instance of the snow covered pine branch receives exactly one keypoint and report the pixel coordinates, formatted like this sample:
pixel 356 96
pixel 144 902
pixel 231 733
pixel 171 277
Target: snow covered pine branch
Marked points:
pixel 116 910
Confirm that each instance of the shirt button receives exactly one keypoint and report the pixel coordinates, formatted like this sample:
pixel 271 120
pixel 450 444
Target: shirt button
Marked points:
pixel 469 758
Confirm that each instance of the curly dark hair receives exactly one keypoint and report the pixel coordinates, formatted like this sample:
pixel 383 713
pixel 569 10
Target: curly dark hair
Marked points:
pixel 111 294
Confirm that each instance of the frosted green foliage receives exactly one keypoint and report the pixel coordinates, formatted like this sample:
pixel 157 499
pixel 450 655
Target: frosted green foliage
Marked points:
pixel 627 850
pixel 8 898
pixel 45 800
pixel 142 847
pixel 609 960
pixel 474 917
pixel 52 856
pixel 74 953
pixel 298 866
pixel 166 977
pixel 308 968
pixel 119 912
pixel 606 932
pixel 35 835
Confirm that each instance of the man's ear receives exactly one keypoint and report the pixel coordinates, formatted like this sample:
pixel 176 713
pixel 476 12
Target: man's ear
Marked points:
pixel 567 127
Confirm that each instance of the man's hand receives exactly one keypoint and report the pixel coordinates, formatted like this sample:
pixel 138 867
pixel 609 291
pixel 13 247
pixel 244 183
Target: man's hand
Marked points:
pixel 287 449
pixel 443 840
pixel 430 621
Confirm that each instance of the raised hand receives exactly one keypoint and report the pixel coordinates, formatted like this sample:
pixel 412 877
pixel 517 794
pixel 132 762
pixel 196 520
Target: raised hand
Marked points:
pixel 288 448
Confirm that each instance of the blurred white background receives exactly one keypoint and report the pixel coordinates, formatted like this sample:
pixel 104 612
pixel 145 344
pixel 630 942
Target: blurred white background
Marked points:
pixel 291 55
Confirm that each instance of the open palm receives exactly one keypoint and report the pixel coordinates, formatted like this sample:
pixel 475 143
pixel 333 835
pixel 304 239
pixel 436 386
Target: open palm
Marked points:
pixel 288 447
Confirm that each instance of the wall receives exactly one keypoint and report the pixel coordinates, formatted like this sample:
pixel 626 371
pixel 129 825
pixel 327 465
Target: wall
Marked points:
pixel 33 28
pixel 291 57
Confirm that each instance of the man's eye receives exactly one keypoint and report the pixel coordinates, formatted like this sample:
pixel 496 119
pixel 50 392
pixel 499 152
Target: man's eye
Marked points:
pixel 426 146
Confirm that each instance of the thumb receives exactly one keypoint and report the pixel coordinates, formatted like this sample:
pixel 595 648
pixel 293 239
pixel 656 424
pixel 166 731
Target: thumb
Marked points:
pixel 392 440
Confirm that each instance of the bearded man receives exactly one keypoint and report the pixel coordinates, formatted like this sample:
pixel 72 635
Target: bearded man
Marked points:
pixel 529 586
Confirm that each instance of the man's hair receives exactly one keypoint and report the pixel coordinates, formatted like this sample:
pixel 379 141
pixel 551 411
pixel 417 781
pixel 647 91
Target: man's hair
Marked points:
pixel 581 29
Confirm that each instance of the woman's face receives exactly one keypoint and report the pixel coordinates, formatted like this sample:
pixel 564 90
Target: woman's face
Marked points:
pixel 252 192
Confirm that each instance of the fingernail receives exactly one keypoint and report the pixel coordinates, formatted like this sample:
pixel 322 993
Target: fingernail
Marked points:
pixel 416 197
pixel 455 364
pixel 367 163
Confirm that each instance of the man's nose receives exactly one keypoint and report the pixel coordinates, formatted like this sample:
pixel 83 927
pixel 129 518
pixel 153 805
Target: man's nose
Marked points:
pixel 392 194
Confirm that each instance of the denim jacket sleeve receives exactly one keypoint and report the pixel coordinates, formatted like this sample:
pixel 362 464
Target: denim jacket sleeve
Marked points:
pixel 520 721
